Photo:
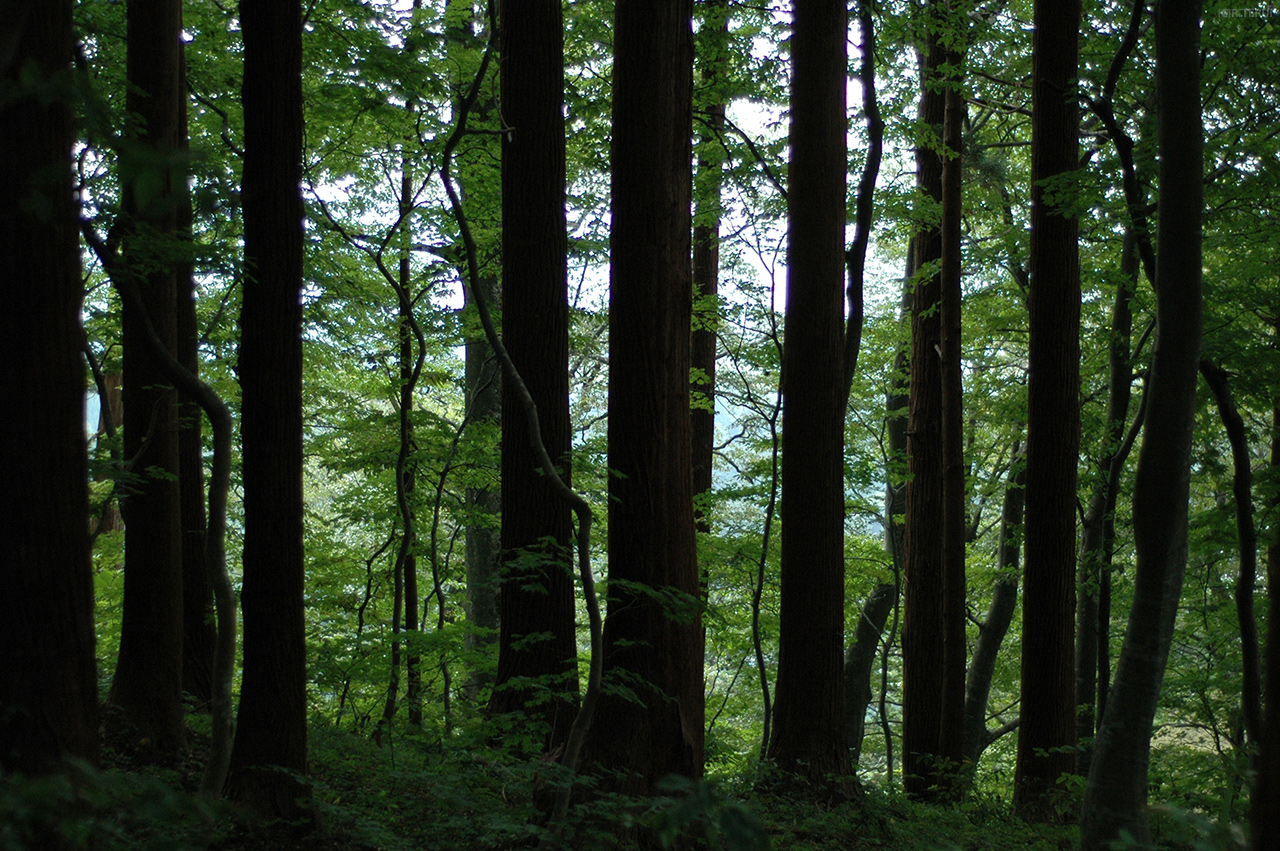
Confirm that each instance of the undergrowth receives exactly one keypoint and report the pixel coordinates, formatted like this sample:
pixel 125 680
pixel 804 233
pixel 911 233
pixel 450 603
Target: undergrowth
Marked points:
pixel 465 792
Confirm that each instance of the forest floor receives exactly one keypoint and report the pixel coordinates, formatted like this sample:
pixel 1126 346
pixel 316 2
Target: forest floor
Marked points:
pixel 414 792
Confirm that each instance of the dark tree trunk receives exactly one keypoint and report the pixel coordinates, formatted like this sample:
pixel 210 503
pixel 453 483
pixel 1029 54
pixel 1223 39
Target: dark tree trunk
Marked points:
pixel 199 628
pixel 537 589
pixel 858 663
pixel 1047 735
pixel 653 636
pixel 482 375
pixel 884 598
pixel 875 612
pixel 1004 604
pixel 484 400
pixel 407 468
pixel 147 685
pixel 1093 628
pixel 1247 535
pixel 47 680
pixel 922 636
pixel 271 730
pixel 1265 801
pixel 809 736
pixel 955 525
pixel 709 179
pixel 1116 793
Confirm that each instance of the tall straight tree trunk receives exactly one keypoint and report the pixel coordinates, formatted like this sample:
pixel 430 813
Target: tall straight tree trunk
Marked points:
pixel 48 686
pixel 1116 793
pixel 950 749
pixel 407 468
pixel 537 647
pixel 922 635
pixel 199 629
pixel 708 181
pixel 653 641
pixel 809 737
pixel 147 686
pixel 1265 800
pixel 270 749
pixel 482 375
pixel 1093 632
pixel 1047 736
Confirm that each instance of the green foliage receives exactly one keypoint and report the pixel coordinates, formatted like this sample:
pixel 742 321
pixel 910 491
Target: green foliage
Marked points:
pixel 380 84
pixel 84 808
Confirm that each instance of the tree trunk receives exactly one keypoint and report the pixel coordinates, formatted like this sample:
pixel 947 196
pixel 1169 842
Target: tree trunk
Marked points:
pixel 653 636
pixel 922 635
pixel 537 597
pixel 147 686
pixel 1247 535
pixel 955 525
pixel 709 179
pixel 199 628
pixel 482 376
pixel 858 663
pixel 1265 800
pixel 47 677
pixel 884 598
pixel 809 736
pixel 1047 735
pixel 1093 630
pixel 270 750
pixel 1004 604
pixel 1116 793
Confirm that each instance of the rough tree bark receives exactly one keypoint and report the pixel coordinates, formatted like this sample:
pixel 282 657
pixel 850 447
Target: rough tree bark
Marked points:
pixel 1047 737
pixel 713 58
pixel 653 635
pixel 809 736
pixel 48 686
pixel 1264 803
pixel 1116 792
pixel 950 750
pixel 536 676
pixel 199 628
pixel 922 544
pixel 147 686
pixel 270 750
